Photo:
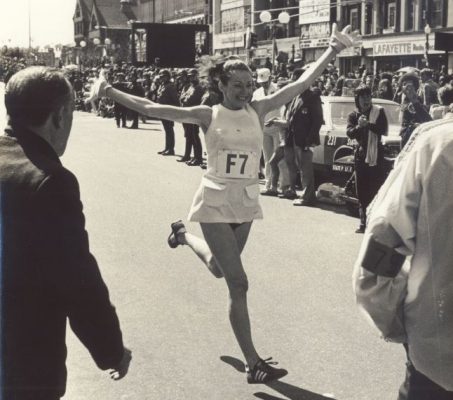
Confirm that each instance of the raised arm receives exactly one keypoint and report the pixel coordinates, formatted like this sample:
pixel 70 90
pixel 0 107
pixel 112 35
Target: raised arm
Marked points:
pixel 199 115
pixel 338 42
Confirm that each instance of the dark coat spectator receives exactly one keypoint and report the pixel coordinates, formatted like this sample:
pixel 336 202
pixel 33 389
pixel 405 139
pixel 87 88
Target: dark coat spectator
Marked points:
pixel 48 272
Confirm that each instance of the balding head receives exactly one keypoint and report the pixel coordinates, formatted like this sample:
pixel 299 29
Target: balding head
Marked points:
pixel 32 94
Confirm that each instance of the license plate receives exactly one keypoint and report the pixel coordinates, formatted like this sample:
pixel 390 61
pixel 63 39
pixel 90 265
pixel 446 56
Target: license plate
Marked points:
pixel 342 168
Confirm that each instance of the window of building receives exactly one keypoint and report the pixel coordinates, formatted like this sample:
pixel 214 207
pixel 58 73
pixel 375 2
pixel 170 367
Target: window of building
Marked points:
pixel 368 18
pixel 410 15
pixel 77 11
pixel 233 20
pixel 436 13
pixel 354 19
pixel 391 15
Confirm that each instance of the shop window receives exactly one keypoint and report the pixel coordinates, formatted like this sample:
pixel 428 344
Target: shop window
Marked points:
pixel 410 15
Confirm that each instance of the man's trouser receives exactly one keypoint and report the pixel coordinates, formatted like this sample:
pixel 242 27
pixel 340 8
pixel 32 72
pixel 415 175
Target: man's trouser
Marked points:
pixel 169 134
pixel 271 142
pixel 417 386
pixel 301 160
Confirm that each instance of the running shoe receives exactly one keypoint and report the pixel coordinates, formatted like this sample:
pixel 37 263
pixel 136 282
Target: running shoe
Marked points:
pixel 262 372
pixel 176 228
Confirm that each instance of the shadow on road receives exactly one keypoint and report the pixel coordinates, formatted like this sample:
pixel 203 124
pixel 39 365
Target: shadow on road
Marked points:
pixel 290 392
pixel 238 365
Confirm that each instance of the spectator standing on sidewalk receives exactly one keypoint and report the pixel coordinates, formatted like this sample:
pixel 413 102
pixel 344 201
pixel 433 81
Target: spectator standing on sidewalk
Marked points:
pixel 413 113
pixel 191 96
pixel 367 124
pixel 304 117
pixel 167 94
pixel 270 132
pixel 412 303
pixel 136 89
pixel 48 273
pixel 428 88
pixel 119 110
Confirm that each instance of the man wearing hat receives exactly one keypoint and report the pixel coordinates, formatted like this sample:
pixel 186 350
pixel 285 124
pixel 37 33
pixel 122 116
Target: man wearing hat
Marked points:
pixel 270 131
pixel 167 94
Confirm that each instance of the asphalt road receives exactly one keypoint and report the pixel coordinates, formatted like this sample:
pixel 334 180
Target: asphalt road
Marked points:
pixel 174 313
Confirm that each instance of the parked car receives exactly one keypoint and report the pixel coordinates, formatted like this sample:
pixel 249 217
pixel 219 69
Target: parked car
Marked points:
pixel 333 158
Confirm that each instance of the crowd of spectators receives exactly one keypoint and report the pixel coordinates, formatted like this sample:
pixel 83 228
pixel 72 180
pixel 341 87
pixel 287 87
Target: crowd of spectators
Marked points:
pixel 424 95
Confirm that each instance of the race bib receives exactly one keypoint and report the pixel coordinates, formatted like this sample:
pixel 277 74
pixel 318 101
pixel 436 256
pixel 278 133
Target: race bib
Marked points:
pixel 236 164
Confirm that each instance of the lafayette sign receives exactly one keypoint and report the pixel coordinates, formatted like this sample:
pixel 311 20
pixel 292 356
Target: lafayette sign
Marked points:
pixel 398 48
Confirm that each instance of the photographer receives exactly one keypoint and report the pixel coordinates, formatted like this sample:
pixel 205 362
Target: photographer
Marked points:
pixel 366 125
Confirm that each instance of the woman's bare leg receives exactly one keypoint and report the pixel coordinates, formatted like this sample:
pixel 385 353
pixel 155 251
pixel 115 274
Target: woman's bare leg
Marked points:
pixel 226 245
pixel 201 249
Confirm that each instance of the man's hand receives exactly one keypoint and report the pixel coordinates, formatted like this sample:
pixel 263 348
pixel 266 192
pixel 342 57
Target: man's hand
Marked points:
pixel 363 121
pixel 344 39
pixel 121 369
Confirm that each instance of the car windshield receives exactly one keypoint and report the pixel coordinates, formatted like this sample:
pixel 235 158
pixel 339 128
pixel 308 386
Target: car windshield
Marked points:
pixel 339 113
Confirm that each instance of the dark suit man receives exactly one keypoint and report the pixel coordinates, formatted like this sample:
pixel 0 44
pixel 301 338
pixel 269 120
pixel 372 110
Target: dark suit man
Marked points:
pixel 48 274
pixel 167 94
pixel 304 117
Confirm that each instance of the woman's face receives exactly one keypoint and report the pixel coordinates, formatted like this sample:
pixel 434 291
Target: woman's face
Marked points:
pixel 238 91
pixel 364 102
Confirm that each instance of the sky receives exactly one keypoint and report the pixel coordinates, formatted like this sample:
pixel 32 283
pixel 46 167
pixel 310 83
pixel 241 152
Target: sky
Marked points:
pixel 51 22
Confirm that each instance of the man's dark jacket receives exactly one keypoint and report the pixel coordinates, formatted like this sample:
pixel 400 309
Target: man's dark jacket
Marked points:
pixel 305 118
pixel 48 273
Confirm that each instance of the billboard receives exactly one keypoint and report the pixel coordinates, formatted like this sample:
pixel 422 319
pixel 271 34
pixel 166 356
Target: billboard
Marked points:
pixel 314 11
pixel 173 44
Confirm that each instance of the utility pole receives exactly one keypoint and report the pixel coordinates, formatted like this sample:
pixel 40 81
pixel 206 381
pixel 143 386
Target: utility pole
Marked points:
pixel 29 27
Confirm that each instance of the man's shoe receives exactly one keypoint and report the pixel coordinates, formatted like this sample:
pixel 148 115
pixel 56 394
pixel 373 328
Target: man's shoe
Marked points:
pixel 360 229
pixel 261 175
pixel 176 229
pixel 183 159
pixel 203 166
pixel 303 203
pixel 133 127
pixel 162 151
pixel 269 192
pixel 194 163
pixel 262 372
pixel 168 153
pixel 288 194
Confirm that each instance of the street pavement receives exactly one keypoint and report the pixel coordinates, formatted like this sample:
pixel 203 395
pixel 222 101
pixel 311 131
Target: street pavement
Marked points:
pixel 173 313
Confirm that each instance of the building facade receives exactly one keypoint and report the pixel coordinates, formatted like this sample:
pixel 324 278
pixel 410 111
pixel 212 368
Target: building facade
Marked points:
pixel 393 31
pixel 101 31
pixel 396 33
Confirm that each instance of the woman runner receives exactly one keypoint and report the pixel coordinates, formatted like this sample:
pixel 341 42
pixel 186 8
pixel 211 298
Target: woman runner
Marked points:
pixel 227 200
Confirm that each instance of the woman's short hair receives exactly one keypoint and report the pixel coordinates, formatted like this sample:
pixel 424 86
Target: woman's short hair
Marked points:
pixel 33 93
pixel 230 66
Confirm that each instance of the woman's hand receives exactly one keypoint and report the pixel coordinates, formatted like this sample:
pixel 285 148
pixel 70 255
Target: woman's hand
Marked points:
pixel 99 87
pixel 341 40
pixel 280 122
